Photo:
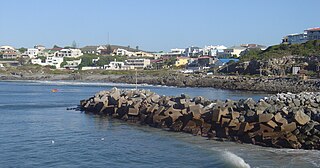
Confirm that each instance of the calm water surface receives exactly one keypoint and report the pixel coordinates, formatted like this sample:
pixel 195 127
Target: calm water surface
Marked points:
pixel 36 130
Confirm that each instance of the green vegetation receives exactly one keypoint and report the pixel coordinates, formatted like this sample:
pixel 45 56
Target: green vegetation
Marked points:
pixel 22 50
pixel 310 48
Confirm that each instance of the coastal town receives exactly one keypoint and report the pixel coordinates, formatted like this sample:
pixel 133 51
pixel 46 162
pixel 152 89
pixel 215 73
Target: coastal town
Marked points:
pixel 161 83
pixel 208 59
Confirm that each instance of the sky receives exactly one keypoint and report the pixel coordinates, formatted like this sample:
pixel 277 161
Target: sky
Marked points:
pixel 153 25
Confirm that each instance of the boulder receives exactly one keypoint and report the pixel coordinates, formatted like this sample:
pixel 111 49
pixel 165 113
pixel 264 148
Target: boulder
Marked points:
pixel 301 118
pixel 265 117
pixel 289 127
pixel 217 113
pixel 133 111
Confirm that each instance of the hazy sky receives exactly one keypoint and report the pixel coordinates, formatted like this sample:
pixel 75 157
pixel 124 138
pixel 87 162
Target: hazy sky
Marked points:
pixel 154 25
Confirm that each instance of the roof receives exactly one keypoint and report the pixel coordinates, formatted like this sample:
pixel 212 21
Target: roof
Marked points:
pixel 314 29
pixel 204 57
pixel 56 49
pixel 226 60
pixel 237 47
pixel 183 58
pixel 89 47
pixel 10 53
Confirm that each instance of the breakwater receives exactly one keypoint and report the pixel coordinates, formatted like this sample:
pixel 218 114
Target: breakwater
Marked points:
pixel 282 121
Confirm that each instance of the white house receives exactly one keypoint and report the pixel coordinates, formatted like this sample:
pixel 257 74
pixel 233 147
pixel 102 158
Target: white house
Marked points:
pixel 177 50
pixel 138 63
pixel 73 64
pixel 9 54
pixel 114 65
pixel 233 51
pixel 40 47
pixel 213 50
pixel 69 53
pixel 143 54
pixel 3 48
pixel 32 52
pixel 297 38
pixel 50 61
pixel 123 52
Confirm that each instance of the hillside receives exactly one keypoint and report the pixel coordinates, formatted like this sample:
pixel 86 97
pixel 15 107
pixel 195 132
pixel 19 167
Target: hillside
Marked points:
pixel 310 48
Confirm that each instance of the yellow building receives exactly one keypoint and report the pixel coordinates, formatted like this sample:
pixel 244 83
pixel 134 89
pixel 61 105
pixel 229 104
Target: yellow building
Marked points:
pixel 181 61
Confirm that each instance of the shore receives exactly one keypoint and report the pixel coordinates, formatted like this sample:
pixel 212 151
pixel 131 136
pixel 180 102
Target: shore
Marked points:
pixel 264 84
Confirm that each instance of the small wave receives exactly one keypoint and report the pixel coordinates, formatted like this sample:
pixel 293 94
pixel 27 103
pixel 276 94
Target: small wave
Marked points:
pixel 232 160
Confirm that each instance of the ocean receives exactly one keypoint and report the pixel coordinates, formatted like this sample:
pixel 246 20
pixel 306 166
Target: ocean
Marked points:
pixel 37 130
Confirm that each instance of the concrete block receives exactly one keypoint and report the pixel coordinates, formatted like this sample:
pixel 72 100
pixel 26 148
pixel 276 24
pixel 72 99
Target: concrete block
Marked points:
pixel 217 113
pixel 272 124
pixel 133 111
pixel 225 121
pixel 278 117
pixel 265 117
pixel 245 127
pixel 289 127
pixel 265 128
pixel 196 111
pixel 233 123
pixel 301 118
pixel 235 115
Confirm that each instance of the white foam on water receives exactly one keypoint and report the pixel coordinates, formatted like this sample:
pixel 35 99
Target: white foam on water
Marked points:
pixel 232 160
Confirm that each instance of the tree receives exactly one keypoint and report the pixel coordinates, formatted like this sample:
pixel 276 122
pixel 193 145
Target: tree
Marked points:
pixel 22 50
pixel 56 46
pixel 74 44
pixel 109 50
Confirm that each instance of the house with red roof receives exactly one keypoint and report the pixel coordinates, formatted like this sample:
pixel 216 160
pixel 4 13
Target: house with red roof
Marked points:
pixel 313 33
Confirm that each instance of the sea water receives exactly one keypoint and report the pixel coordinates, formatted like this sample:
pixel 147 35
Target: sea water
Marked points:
pixel 36 130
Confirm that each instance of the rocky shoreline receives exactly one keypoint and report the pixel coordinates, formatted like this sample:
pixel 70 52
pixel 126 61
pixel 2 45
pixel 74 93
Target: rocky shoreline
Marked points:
pixel 281 121
pixel 265 84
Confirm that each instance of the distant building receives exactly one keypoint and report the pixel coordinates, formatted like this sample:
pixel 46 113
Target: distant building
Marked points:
pixel 295 70
pixel 32 52
pixel 232 51
pixel 181 61
pixel 192 51
pixel 50 61
pixel 143 54
pixel 69 53
pixel 89 49
pixel 313 33
pixel 9 54
pixel 297 38
pixel 73 64
pixel 138 63
pixel 40 47
pixel 213 50
pixel 3 48
pixel 205 61
pixel 123 52
pixel 114 65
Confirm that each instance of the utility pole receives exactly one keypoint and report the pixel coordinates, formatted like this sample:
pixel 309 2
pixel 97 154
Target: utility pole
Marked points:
pixel 136 79
pixel 108 39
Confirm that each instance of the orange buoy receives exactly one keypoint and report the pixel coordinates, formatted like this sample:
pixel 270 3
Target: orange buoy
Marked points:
pixel 54 90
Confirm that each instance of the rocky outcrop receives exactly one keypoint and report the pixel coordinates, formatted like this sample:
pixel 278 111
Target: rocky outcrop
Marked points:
pixel 282 121
pixel 272 85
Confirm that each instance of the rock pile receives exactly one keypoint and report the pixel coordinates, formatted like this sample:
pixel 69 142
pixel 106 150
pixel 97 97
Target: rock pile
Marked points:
pixel 283 120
